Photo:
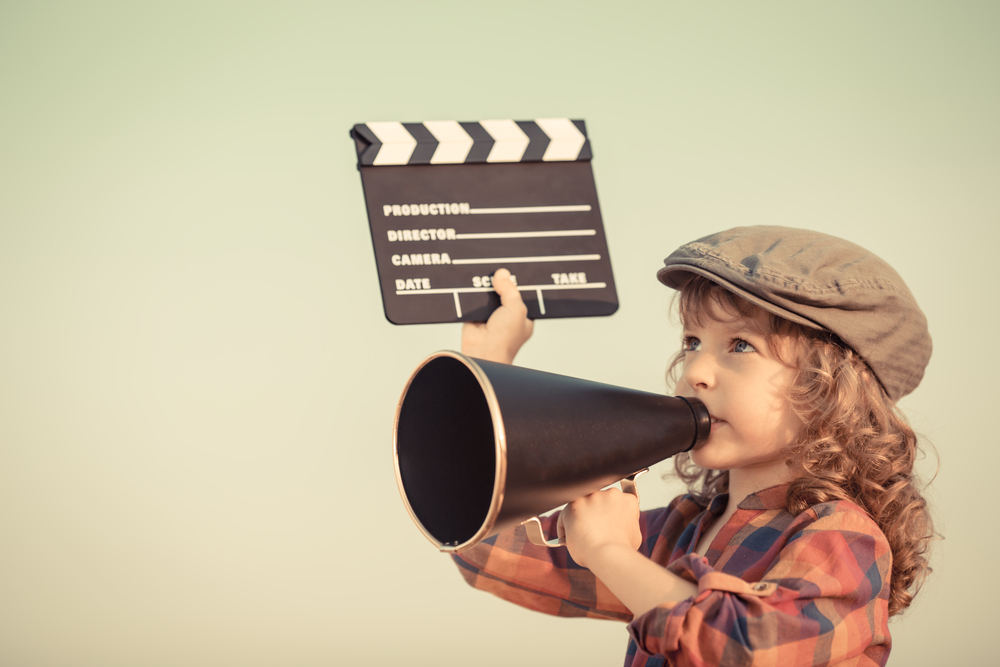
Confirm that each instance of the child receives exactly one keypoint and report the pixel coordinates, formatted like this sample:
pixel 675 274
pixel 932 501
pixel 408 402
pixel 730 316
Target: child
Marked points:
pixel 804 529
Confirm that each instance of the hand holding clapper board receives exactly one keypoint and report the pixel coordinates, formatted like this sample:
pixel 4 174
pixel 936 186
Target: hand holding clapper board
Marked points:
pixel 451 202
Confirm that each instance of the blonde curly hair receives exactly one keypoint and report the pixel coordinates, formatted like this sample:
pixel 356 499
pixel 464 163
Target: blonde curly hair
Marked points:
pixel 854 444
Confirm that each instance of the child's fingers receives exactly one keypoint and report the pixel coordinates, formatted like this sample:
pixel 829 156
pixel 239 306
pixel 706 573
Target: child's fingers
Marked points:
pixel 508 327
pixel 510 296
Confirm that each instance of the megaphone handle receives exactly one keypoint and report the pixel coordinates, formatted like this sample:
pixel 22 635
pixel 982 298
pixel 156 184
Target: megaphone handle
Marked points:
pixel 535 535
pixel 628 484
pixel 533 526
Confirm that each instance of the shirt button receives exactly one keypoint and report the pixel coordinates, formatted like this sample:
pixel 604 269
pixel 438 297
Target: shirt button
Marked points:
pixel 760 587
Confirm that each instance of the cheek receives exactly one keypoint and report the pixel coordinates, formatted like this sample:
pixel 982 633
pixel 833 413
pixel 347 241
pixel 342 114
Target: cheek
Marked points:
pixel 782 424
pixel 791 427
pixel 769 421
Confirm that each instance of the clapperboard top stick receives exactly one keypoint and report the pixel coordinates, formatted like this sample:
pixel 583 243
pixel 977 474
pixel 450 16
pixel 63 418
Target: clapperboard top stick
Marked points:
pixel 451 202
pixel 487 141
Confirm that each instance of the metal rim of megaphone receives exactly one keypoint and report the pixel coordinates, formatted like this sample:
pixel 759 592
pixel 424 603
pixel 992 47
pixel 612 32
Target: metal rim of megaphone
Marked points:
pixel 500 449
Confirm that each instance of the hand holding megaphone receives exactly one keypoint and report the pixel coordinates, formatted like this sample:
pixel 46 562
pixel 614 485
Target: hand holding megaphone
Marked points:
pixel 536 534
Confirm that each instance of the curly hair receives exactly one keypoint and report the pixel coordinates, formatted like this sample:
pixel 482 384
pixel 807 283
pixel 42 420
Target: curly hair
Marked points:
pixel 854 444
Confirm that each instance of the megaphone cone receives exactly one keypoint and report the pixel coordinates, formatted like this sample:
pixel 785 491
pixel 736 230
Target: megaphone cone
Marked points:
pixel 481 446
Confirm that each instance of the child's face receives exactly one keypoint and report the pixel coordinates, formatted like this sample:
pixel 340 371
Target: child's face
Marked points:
pixel 730 367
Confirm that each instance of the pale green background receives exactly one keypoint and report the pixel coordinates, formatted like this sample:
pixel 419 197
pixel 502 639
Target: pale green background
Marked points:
pixel 196 379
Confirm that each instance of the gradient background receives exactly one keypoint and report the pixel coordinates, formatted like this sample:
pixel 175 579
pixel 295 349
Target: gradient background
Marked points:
pixel 196 379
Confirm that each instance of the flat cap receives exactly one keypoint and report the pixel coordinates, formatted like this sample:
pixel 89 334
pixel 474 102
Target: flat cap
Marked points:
pixel 822 282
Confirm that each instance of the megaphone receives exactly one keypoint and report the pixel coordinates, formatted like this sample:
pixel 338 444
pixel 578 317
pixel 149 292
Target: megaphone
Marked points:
pixel 481 446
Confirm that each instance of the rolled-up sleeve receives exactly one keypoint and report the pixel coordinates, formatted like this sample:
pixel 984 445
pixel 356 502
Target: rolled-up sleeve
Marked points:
pixel 539 578
pixel 822 601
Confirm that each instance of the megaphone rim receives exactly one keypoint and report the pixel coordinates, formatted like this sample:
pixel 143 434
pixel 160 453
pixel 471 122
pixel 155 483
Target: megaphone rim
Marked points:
pixel 499 448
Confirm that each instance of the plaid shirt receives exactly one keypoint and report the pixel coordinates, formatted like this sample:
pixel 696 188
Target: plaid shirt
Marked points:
pixel 773 588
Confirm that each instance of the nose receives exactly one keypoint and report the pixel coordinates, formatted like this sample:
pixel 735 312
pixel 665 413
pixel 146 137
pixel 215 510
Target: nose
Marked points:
pixel 699 371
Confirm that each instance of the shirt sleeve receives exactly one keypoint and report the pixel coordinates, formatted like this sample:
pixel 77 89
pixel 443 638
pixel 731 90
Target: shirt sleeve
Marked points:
pixel 541 578
pixel 823 601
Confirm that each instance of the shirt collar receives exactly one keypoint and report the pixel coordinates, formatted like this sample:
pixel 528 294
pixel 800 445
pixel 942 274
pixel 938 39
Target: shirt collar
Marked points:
pixel 771 498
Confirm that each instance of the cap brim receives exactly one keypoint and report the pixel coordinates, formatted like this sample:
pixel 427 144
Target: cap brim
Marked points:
pixel 673 276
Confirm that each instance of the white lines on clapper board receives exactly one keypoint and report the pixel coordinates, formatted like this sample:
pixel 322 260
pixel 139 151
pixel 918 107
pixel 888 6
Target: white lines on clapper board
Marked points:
pixel 528 235
pixel 524 288
pixel 455 291
pixel 531 209
pixel 522 260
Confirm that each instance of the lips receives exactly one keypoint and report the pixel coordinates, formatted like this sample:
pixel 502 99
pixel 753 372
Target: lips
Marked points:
pixel 715 421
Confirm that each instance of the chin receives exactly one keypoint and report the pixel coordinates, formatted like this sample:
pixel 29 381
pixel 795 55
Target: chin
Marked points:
pixel 705 460
pixel 714 458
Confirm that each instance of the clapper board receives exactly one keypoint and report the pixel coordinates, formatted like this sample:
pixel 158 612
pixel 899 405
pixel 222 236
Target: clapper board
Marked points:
pixel 451 202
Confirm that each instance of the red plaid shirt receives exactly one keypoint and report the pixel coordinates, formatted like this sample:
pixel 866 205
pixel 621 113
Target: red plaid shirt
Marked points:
pixel 773 589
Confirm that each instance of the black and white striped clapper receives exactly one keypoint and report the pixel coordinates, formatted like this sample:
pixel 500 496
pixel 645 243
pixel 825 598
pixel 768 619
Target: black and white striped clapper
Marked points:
pixel 452 142
pixel 451 202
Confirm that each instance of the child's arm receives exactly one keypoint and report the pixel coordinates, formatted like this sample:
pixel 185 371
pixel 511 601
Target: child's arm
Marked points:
pixel 611 555
pixel 602 534
pixel 539 578
pixel 508 328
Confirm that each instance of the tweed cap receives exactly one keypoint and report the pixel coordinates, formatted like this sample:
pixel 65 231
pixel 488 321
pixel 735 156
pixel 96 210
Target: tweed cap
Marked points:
pixel 822 282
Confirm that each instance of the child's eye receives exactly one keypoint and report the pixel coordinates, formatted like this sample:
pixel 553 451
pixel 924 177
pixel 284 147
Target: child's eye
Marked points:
pixel 691 344
pixel 742 347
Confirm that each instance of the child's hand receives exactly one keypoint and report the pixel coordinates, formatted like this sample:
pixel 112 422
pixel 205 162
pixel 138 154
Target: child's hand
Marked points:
pixel 602 534
pixel 500 337
pixel 600 519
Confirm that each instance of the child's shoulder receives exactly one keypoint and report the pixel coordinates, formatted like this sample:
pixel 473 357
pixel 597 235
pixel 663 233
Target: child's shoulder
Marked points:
pixel 842 515
pixel 669 521
pixel 838 515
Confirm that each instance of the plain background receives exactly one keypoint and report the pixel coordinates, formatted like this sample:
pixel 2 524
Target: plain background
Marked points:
pixel 197 382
